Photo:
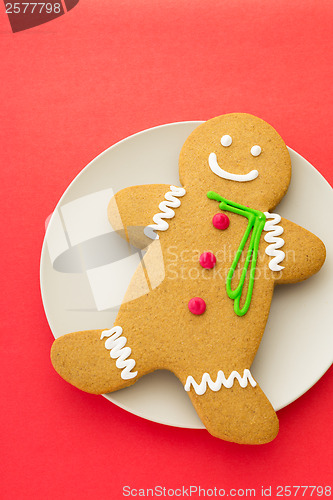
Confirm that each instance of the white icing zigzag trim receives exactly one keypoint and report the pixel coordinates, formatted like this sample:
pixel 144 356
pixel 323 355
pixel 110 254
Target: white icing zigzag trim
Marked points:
pixel 166 207
pixel 220 381
pixel 275 243
pixel 116 344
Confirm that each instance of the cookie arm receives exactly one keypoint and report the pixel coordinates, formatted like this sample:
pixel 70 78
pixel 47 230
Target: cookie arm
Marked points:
pixel 304 254
pixel 133 208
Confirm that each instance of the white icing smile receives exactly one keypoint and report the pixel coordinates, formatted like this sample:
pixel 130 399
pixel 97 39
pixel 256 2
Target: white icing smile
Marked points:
pixel 215 167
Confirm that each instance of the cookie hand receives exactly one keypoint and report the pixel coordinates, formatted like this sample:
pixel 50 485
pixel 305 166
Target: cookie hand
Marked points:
pixel 304 254
pixel 133 208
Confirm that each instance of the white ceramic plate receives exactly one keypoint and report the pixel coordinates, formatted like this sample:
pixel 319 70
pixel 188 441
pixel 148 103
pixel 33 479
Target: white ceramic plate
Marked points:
pixel 297 346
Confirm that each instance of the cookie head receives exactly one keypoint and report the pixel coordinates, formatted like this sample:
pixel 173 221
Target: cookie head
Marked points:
pixel 240 157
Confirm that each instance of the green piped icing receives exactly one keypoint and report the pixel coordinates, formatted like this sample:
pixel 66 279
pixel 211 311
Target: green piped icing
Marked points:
pixel 256 223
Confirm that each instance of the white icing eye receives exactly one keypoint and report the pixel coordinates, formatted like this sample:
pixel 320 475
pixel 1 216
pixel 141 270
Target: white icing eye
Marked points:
pixel 226 141
pixel 255 150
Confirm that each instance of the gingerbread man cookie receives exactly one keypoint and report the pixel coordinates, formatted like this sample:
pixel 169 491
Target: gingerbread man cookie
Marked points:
pixel 215 251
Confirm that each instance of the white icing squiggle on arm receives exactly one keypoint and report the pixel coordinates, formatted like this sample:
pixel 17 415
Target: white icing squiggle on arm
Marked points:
pixel 167 212
pixel 272 237
pixel 116 344
pixel 221 380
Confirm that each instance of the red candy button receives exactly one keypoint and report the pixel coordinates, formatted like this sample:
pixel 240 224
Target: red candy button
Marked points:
pixel 221 221
pixel 197 305
pixel 207 260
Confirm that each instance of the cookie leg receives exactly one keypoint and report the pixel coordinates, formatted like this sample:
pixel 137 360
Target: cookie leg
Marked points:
pixel 97 361
pixel 238 414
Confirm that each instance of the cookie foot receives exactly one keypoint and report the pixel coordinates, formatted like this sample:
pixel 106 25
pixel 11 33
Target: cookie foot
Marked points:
pixel 95 361
pixel 237 414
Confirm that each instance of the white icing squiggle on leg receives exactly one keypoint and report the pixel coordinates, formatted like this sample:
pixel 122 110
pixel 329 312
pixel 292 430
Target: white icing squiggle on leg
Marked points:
pixel 221 380
pixel 272 237
pixel 116 344
pixel 167 212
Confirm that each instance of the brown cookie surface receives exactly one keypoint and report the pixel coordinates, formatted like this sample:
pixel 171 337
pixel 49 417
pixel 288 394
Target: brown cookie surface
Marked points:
pixel 214 253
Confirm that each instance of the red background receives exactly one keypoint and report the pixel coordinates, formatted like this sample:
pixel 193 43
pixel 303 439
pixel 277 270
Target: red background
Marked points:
pixel 73 87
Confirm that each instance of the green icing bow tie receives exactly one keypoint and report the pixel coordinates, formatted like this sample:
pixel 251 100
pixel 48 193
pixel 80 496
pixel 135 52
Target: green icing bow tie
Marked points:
pixel 256 223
